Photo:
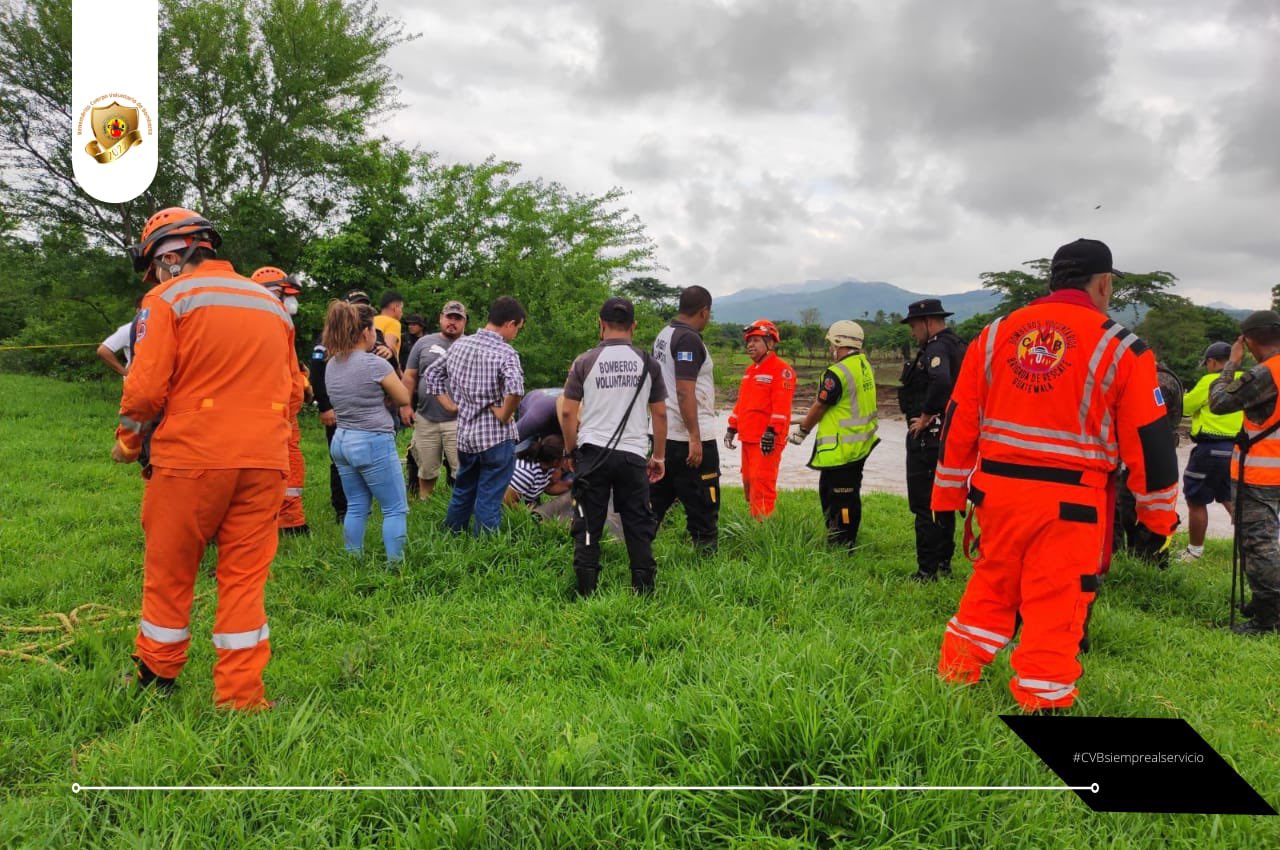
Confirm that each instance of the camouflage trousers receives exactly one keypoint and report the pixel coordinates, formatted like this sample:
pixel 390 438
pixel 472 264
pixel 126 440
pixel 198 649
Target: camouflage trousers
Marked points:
pixel 1260 540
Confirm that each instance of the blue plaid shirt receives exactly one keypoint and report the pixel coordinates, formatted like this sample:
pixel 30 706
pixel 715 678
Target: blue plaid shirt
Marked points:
pixel 477 372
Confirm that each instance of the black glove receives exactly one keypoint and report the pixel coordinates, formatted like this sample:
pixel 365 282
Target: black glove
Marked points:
pixel 1149 546
pixel 767 441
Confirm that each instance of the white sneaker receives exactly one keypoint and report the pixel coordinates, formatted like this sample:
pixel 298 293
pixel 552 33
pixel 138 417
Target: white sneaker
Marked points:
pixel 1188 555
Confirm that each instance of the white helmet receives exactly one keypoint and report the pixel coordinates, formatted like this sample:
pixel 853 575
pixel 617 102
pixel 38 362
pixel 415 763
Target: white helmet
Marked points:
pixel 845 334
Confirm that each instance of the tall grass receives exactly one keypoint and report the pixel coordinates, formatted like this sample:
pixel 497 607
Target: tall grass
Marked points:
pixel 777 662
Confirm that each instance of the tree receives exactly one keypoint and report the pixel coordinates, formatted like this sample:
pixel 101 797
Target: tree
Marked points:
pixel 1130 291
pixel 810 316
pixel 661 297
pixel 1018 288
pixel 265 105
pixel 437 232
pixel 1179 331
pixel 1275 297
pixel 1134 291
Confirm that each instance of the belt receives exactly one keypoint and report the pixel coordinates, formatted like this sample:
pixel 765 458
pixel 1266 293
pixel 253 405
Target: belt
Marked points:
pixel 1051 474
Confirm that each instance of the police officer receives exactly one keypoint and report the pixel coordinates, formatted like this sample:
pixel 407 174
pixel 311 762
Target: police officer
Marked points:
pixel 926 388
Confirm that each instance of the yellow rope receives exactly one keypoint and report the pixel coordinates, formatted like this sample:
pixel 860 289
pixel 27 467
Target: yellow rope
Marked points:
pixel 88 614
pixel 58 345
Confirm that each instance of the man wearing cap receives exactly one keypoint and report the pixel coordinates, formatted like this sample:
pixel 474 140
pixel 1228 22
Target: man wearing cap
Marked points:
pixel 610 396
pixel 693 471
pixel 435 429
pixel 480 378
pixel 329 419
pixel 845 413
pixel 926 388
pixel 1255 464
pixel 1207 478
pixel 1050 399
pixel 415 327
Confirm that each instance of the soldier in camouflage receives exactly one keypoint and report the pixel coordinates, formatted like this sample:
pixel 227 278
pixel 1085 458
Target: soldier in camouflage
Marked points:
pixel 1256 487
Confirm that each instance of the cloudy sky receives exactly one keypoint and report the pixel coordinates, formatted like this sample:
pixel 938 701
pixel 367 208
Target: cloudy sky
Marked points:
pixel 918 142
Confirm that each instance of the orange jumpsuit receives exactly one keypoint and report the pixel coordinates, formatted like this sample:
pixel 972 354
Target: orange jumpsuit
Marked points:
pixel 1048 402
pixel 291 513
pixel 213 352
pixel 764 401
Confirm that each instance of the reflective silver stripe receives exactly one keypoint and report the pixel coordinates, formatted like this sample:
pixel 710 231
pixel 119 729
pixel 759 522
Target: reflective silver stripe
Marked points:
pixel 1069 451
pixel 174 293
pixel 164 635
pixel 1087 398
pixel 266 304
pixel 942 482
pixel 857 420
pixel 1051 433
pixel 973 640
pixel 241 640
pixel 824 441
pixel 846 371
pixel 974 630
pixel 858 438
pixel 1268 462
pixel 1195 475
pixel 293 491
pixel 991 346
pixel 1048 690
pixel 135 426
pixel 1110 376
pixel 1169 494
pixel 953 470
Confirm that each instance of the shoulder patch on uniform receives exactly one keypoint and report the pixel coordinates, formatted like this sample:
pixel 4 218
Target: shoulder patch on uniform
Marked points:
pixel 935 362
pixel 788 374
pixel 684 355
pixel 1139 348
pixel 144 314
pixel 1159 397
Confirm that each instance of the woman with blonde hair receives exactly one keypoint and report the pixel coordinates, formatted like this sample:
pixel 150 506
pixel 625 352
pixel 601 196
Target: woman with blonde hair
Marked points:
pixel 360 384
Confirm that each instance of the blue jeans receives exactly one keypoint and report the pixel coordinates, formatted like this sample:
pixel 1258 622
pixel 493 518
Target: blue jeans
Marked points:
pixel 479 486
pixel 370 468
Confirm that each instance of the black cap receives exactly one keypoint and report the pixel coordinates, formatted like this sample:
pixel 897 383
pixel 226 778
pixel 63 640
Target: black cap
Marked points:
pixel 1081 258
pixel 415 319
pixel 618 310
pixel 1217 351
pixel 924 308
pixel 1259 320
pixel 358 296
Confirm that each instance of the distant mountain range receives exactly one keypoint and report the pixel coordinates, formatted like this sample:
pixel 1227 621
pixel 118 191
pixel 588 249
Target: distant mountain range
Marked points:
pixel 855 299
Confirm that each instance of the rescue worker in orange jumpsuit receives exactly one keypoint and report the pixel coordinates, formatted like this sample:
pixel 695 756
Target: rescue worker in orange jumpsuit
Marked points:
pixel 1050 399
pixel 293 518
pixel 762 416
pixel 215 351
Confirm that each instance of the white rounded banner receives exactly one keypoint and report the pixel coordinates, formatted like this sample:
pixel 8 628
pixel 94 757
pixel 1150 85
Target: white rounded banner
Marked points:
pixel 115 121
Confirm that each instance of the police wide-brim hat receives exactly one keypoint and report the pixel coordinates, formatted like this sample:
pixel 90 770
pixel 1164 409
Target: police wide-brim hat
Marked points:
pixel 924 309
pixel 1217 351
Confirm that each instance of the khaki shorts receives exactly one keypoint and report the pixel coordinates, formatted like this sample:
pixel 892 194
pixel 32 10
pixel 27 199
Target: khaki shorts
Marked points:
pixel 431 442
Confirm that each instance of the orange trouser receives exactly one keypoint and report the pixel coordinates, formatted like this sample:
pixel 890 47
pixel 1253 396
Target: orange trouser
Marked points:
pixel 182 509
pixel 760 477
pixel 291 513
pixel 1041 548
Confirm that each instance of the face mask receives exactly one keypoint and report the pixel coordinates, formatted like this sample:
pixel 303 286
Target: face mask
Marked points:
pixel 291 305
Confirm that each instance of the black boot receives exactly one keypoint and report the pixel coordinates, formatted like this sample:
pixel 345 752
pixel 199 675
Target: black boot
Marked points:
pixel 924 576
pixel 587 579
pixel 642 581
pixel 145 678
pixel 1257 626
pixel 1249 608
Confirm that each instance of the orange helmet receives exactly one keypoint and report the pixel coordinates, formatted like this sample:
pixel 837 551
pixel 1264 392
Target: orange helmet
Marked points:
pixel 762 327
pixel 273 278
pixel 171 229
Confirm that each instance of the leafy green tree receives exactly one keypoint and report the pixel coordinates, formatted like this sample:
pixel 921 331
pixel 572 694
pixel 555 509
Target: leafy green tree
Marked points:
pixel 663 299
pixel 1179 331
pixel 436 232
pixel 265 105
pixel 1018 288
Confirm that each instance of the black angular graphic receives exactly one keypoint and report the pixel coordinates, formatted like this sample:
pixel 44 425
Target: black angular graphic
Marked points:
pixel 1138 764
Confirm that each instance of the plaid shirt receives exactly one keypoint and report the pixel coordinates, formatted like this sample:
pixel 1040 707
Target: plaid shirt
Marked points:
pixel 477 372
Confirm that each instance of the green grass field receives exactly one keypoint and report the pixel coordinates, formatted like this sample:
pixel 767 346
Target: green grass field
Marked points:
pixel 778 662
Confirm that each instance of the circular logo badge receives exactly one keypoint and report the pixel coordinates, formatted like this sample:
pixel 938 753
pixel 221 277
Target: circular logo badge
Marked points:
pixel 116 128
pixel 1040 349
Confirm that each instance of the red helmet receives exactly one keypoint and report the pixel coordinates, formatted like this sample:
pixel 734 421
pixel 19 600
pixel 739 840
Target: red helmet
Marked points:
pixel 274 278
pixel 761 327
pixel 176 225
